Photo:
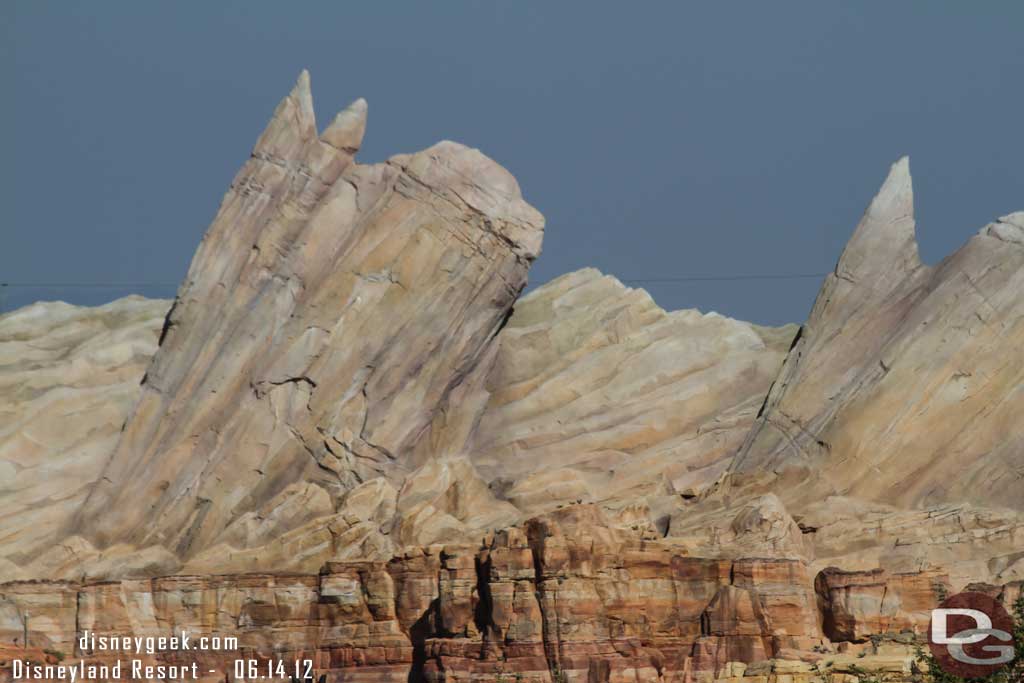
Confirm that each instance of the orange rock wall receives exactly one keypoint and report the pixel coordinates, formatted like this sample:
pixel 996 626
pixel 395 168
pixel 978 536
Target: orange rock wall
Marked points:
pixel 554 600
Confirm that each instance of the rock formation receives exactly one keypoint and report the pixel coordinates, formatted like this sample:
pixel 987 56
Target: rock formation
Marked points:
pixel 564 597
pixel 904 385
pixel 69 376
pixel 592 392
pixel 328 313
pixel 351 440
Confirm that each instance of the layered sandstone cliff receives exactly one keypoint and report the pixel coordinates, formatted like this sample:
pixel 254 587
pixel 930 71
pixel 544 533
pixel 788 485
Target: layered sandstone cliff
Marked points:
pixel 69 376
pixel 565 597
pixel 351 439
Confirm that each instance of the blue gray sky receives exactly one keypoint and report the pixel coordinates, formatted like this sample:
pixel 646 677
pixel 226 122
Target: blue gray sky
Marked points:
pixel 660 139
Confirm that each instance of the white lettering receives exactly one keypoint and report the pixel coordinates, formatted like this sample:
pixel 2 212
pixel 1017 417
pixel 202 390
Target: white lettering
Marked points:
pixel 939 626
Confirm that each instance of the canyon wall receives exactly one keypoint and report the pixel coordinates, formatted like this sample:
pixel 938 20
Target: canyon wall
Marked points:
pixel 564 597
pixel 352 439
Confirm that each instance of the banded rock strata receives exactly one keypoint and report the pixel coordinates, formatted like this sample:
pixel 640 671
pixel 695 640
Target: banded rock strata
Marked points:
pixel 343 374
pixel 69 376
pixel 357 442
pixel 565 595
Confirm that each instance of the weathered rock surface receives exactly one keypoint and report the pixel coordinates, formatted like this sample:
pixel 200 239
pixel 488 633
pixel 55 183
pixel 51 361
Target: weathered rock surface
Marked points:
pixel 564 597
pixel 650 439
pixel 328 313
pixel 332 383
pixel 69 376
pixel 906 385
pixel 592 392
pixel 355 444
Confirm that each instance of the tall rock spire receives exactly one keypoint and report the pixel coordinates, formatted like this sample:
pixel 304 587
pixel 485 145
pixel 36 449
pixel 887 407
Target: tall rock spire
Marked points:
pixel 327 314
pixel 292 125
pixel 903 379
pixel 883 248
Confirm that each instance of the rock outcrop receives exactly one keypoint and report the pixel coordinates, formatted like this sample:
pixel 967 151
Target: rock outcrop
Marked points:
pixel 354 443
pixel 592 392
pixel 343 374
pixel 564 597
pixel 907 382
pixel 69 376
pixel 329 312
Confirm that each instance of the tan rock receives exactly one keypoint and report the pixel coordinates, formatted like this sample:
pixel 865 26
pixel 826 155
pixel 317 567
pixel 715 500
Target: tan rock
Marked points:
pixel 350 447
pixel 905 384
pixel 858 605
pixel 445 500
pixel 324 319
pixel 69 376
pixel 595 393
pixel 565 593
pixel 754 526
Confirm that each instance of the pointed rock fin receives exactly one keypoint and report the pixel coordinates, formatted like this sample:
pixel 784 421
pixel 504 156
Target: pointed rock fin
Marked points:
pixel 347 129
pixel 884 245
pixel 292 125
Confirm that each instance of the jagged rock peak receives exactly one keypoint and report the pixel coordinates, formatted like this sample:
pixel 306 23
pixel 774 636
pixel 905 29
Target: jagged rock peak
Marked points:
pixel 906 378
pixel 884 245
pixel 329 311
pixel 348 127
pixel 292 124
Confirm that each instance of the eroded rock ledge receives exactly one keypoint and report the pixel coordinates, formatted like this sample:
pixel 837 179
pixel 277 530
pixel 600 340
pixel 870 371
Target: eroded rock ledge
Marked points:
pixel 566 596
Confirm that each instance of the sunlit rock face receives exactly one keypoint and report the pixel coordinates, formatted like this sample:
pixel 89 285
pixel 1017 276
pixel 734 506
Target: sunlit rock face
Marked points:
pixel 69 376
pixel 351 438
pixel 346 370
pixel 565 596
pixel 329 312
pixel 594 393
pixel 906 385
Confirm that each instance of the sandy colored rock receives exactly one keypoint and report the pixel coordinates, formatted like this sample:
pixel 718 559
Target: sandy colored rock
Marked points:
pixel 314 348
pixel 858 605
pixel 69 376
pixel 327 314
pixel 446 500
pixel 595 393
pixel 906 385
pixel 565 594
pixel 356 443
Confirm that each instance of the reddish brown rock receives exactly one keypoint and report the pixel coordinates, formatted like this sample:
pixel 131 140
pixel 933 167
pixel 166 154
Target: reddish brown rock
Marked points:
pixel 565 597
pixel 860 604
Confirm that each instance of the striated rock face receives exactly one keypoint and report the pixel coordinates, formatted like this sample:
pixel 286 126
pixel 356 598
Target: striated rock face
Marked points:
pixel 592 392
pixel 354 443
pixel 861 604
pixel 328 313
pixel 564 597
pixel 342 374
pixel 907 381
pixel 69 376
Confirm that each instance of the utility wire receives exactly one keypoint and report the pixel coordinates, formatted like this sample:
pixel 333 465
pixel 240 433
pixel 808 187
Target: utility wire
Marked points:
pixel 43 285
pixel 633 280
pixel 5 287
pixel 716 278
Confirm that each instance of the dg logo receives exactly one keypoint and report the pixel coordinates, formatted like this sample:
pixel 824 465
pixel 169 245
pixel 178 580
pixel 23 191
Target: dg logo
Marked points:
pixel 971 635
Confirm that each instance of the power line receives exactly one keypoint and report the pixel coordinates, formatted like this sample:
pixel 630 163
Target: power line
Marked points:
pixel 632 280
pixel 44 285
pixel 718 278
